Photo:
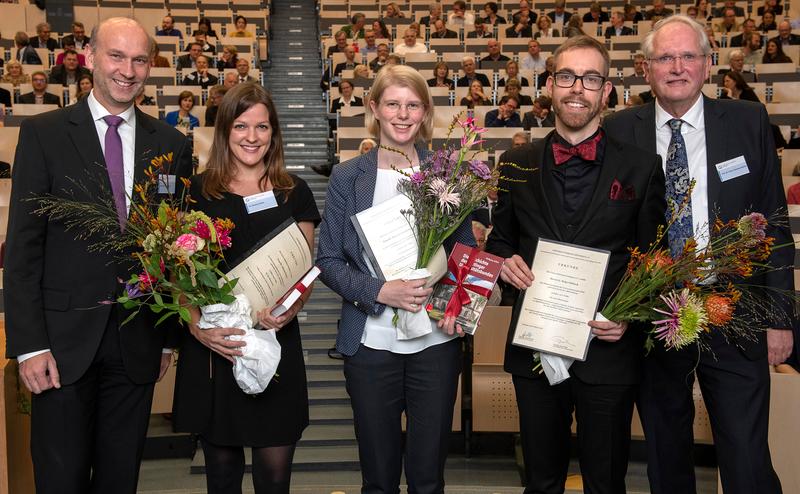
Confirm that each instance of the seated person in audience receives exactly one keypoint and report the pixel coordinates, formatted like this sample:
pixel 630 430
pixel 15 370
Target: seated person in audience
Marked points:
pixel 480 232
pixel 482 30
pixel 369 42
pixel 540 116
pixel 204 26
pixel 381 31
pixel 243 71
pixel 704 13
pixel 524 13
pixel 748 28
pixel 15 74
pixel 39 95
pixel 417 30
pixel 559 14
pixel 736 63
pixel 346 98
pixel 544 28
pixel 182 119
pixel 440 31
pixel 728 23
pixel 491 18
pixel 143 99
pixel 638 72
pixel 410 44
pixel 241 28
pixel 595 14
pixel 505 115
pixel 434 13
pixel 230 80
pixel 228 58
pixel 378 62
pixel 521 27
pixel 736 88
pixel 774 53
pixel 26 54
pixel 468 66
pixel 441 76
pixel 631 13
pixel 519 139
pixel 459 16
pixel 514 88
pixel 168 28
pixel 691 11
pixel 205 46
pixel 69 45
pixel 729 4
pixel 393 11
pixel 84 86
pixel 341 42
pixel 618 27
pixel 394 60
pixel 189 61
pixel 752 49
pixel 658 12
pixel 475 96
pixel 349 63
pixel 533 60
pixel 43 39
pixel 494 54
pixel 767 22
pixel 201 77
pixel 712 39
pixel 5 99
pixel 773 6
pixel 355 30
pixel 785 36
pixel 215 95
pixel 512 72
pixel 549 64
pixel 634 100
pixel 77 39
pixel 68 72
pixel 574 27
pixel 158 60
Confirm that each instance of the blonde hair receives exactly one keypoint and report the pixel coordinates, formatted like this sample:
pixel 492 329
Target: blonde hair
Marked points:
pixel 402 76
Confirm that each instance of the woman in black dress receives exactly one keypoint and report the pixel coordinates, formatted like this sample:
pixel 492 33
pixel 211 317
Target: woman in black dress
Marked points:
pixel 246 159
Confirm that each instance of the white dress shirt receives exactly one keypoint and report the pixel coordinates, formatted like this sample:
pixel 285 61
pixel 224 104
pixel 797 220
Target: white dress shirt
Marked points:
pixel 417 48
pixel 527 62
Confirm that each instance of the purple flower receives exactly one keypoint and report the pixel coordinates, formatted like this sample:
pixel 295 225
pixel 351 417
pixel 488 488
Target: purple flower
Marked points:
pixel 417 178
pixel 133 291
pixel 480 169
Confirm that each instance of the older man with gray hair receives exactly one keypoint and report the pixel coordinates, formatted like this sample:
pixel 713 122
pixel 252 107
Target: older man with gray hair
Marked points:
pixel 468 67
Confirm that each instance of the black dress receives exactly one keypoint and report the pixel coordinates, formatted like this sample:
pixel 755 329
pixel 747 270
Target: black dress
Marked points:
pixel 207 399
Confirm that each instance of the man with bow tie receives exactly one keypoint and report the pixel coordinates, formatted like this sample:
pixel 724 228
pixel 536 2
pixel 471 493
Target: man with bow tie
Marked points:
pixel 591 190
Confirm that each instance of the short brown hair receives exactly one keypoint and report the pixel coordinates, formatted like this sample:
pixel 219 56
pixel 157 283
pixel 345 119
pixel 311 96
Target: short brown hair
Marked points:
pixel 583 41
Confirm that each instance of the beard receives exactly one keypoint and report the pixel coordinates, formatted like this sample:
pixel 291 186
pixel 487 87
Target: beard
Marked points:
pixel 577 120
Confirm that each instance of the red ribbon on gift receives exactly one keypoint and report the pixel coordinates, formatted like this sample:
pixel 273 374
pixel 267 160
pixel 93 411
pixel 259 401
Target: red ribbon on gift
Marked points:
pixel 460 296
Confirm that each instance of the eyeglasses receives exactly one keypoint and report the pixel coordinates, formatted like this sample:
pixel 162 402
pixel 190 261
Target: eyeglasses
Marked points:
pixel 591 82
pixel 687 58
pixel 394 107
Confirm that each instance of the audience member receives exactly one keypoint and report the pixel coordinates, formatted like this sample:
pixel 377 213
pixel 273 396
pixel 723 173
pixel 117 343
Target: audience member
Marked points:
pixel 736 64
pixel 596 14
pixel 517 140
pixel 774 53
pixel 468 67
pixel 618 27
pixel 729 4
pixel 189 61
pixel 43 39
pixel 230 80
pixel 748 28
pixel 512 72
pixel 712 38
pixel 5 99
pixel 14 74
pixel 704 13
pixel 200 77
pixel 544 28
pixel 77 38
pixel 521 27
pixel 26 54
pixel 355 29
pixel 441 76
pixel 475 96
pixel 379 61
pixel 349 63
pixel 482 30
pixel 658 12
pixel 361 76
pixel 492 19
pixel 410 44
pixel 84 86
pixel 638 72
pixel 533 60
pixel 735 87
pixel 346 98
pixel 181 118
pixel 241 28
pixel 728 23
pixel 434 13
pixel 574 27
pixel 559 14
pixel 540 116
pixel 381 31
pixel 228 58
pixel 773 6
pixel 204 27
pixel 494 54
pixel 205 46
pixel 68 72
pixel 631 13
pixel 549 63
pixel 215 95
pixel 440 31
pixel 514 88
pixel 634 100
pixel 459 16
pixel 243 71
pixel 785 36
pixel 158 60
pixel 369 42
pixel 68 45
pixel 752 49
pixel 39 95
pixel 341 42
pixel 524 13
pixel 393 11
pixel 168 28
pixel 767 22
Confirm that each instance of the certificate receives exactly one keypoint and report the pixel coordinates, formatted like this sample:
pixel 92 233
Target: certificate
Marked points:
pixel 564 296
pixel 273 266
pixel 388 237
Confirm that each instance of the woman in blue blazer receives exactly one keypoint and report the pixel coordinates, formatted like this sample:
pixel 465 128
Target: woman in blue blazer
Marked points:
pixel 386 376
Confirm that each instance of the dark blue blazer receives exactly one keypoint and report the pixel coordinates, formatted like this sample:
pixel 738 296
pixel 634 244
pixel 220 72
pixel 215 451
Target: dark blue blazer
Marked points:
pixel 339 252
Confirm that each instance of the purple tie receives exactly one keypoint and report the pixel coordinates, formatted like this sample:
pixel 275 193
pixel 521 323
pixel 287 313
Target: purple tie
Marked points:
pixel 116 169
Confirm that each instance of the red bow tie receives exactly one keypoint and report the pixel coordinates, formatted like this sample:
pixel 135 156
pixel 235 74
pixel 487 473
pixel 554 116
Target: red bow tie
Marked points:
pixel 586 150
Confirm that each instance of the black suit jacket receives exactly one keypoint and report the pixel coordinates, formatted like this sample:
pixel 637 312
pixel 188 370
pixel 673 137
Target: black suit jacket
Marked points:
pixel 5 97
pixel 587 17
pixel 526 32
pixel 58 74
pixel 464 82
pixel 194 79
pixel 794 39
pixel 733 128
pixel 183 62
pixel 736 40
pixel 529 121
pixel 30 99
pixel 611 31
pixel 28 55
pixel 552 16
pixel 51 43
pixel 449 34
pixel 524 215
pixel 53 285
pixel 336 104
pixel 70 39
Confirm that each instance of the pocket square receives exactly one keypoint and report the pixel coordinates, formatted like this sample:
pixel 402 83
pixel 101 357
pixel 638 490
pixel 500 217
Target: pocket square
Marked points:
pixel 620 193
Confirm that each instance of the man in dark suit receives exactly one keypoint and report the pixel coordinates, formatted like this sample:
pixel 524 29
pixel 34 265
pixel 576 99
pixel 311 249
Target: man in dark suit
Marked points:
pixel 559 15
pixel 785 36
pixel 617 27
pixel 595 14
pixel 521 28
pixel 189 60
pixel 494 53
pixel 26 54
pixel 468 66
pixel 599 192
pixel 729 4
pixel 540 116
pixel 658 12
pixel 5 97
pixel 39 95
pixel 505 115
pixel 200 77
pixel 482 30
pixel 435 12
pixel 91 376
pixel 77 38
pixel 43 39
pixel 69 71
pixel 748 27
pixel 440 31
pixel 733 376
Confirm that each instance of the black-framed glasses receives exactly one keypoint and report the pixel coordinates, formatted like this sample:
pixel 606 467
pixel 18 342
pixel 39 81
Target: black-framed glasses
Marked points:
pixel 591 82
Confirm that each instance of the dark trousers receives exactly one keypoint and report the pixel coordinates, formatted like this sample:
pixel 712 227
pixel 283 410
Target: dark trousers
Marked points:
pixel 382 385
pixel 88 437
pixel 736 393
pixel 603 414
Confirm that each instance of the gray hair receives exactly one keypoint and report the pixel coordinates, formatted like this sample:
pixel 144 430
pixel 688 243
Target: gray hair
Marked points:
pixel 699 30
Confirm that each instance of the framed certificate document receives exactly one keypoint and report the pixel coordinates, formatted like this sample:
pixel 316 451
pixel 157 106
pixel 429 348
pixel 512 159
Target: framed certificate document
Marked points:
pixel 564 296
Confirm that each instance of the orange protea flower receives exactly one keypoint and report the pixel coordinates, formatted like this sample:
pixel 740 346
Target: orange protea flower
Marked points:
pixel 719 310
pixel 659 259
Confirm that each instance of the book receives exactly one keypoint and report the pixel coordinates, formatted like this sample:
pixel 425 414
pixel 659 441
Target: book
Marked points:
pixel 471 276
pixel 296 291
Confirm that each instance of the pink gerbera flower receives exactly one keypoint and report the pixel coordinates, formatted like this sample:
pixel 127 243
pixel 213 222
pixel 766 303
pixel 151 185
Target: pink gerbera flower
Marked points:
pixel 686 319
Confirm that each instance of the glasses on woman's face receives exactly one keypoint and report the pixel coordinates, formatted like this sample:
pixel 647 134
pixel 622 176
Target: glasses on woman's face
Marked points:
pixel 396 106
pixel 591 82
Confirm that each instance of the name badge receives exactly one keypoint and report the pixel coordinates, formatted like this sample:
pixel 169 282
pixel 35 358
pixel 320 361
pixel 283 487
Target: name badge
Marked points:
pixel 260 202
pixel 166 184
pixel 732 168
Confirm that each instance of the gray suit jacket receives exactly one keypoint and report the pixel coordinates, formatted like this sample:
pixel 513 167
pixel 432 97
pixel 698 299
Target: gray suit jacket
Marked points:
pixel 339 252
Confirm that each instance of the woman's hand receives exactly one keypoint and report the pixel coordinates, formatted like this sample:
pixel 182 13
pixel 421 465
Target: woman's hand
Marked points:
pixel 268 321
pixel 407 295
pixel 216 340
pixel 448 325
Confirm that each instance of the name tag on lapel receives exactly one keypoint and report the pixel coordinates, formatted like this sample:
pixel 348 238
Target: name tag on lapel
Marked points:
pixel 166 184
pixel 260 202
pixel 732 168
